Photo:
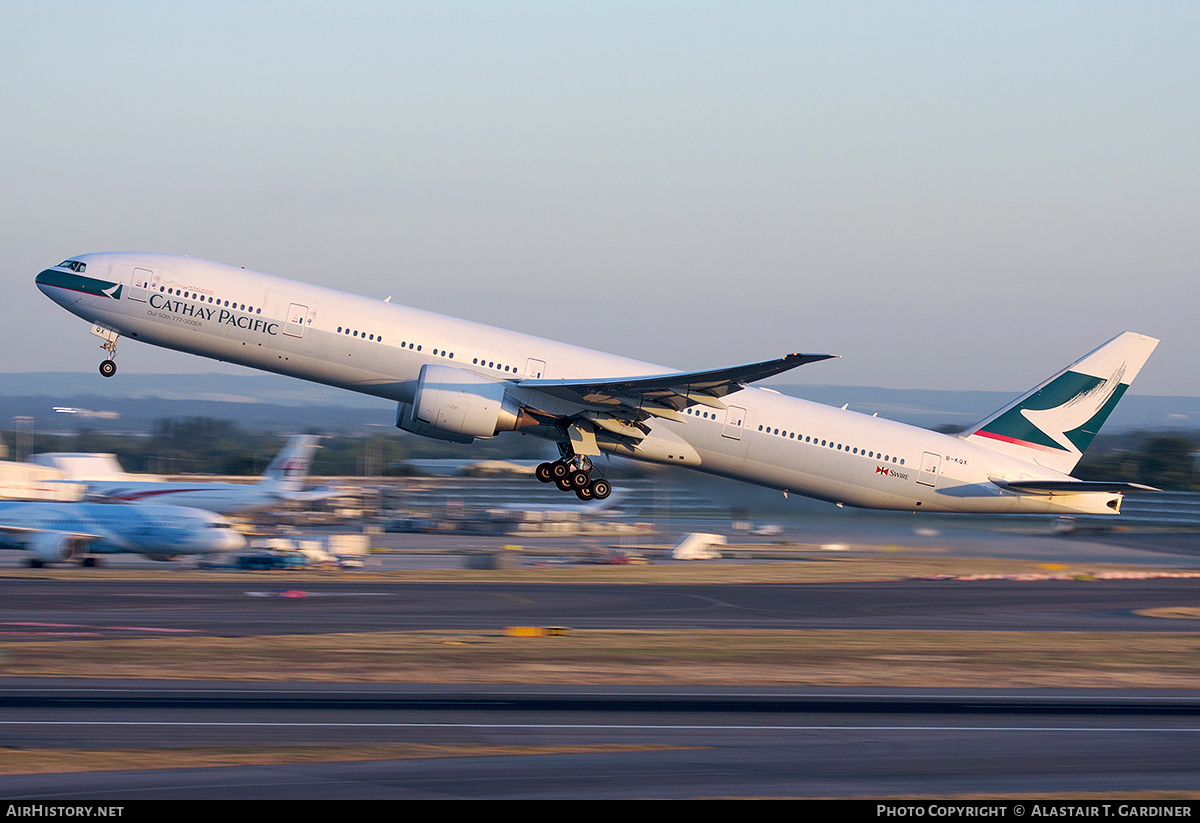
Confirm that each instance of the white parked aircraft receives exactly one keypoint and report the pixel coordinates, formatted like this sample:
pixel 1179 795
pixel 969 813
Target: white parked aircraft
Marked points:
pixel 60 532
pixel 281 482
pixel 456 380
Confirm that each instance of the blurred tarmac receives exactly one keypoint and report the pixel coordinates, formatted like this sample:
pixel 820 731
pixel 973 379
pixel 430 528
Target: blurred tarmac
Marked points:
pixel 845 534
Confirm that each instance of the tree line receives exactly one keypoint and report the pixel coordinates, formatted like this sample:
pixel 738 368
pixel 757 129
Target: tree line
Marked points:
pixel 1165 461
pixel 206 445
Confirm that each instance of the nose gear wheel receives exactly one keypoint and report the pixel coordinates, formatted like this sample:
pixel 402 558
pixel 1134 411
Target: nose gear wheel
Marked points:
pixel 108 367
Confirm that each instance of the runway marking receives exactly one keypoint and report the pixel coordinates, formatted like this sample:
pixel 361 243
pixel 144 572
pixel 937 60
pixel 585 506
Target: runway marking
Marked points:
pixel 1172 612
pixel 305 593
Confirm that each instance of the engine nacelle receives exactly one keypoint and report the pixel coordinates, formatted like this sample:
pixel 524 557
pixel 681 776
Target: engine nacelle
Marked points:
pixel 457 405
pixel 54 547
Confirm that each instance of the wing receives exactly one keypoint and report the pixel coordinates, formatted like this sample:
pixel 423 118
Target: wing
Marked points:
pixel 620 405
pixel 672 391
pixel 18 531
pixel 47 545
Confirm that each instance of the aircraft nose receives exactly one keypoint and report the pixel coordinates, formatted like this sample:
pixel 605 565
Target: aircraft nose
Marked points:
pixel 46 280
pixel 70 281
pixel 60 286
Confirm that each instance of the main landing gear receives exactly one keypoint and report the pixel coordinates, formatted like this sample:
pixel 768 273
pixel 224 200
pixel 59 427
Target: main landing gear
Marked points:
pixel 574 473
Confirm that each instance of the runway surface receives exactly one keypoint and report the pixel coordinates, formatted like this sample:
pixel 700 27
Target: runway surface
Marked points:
pixel 718 743
pixel 41 608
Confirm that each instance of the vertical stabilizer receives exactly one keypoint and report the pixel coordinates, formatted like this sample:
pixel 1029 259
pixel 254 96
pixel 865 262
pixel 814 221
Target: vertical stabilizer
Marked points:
pixel 289 469
pixel 1054 423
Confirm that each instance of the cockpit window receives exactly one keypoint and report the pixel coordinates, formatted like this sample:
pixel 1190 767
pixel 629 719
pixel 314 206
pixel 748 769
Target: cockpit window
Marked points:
pixel 73 265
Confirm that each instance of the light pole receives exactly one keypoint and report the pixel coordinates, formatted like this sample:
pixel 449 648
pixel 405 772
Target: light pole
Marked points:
pixel 22 436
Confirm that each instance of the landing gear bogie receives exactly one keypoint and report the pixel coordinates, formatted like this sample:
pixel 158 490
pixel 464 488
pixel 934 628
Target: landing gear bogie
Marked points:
pixel 573 473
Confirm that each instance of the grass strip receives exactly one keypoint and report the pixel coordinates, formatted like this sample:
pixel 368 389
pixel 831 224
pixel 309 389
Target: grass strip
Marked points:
pixel 975 659
pixel 55 761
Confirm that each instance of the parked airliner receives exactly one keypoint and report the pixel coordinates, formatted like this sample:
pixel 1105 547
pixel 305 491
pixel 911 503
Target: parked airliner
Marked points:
pixel 61 532
pixel 282 482
pixel 456 380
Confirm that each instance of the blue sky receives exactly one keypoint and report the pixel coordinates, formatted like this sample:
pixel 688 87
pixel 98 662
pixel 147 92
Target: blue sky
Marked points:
pixel 949 195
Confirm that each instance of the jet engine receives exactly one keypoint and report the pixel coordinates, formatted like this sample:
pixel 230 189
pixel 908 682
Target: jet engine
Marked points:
pixel 53 547
pixel 457 405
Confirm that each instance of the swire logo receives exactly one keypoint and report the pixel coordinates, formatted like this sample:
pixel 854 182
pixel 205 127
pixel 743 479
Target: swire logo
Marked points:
pixel 881 470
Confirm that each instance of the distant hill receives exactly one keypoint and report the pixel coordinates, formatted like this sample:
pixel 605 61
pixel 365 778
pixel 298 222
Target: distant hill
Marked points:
pixel 228 388
pixel 265 402
pixel 256 402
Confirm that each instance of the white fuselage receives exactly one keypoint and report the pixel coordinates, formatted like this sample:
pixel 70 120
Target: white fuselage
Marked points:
pixel 378 348
pixel 107 482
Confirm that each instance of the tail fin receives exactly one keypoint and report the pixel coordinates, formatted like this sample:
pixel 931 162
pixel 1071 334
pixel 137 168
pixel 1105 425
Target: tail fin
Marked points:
pixel 289 468
pixel 1054 423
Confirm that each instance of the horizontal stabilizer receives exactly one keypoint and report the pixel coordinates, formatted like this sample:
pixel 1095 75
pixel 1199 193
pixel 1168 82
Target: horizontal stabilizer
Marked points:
pixel 314 495
pixel 1071 487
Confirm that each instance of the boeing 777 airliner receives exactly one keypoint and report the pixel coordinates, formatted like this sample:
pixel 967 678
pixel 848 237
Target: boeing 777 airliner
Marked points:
pixel 456 380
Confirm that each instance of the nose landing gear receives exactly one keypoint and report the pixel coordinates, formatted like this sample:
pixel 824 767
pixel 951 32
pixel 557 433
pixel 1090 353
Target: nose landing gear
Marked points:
pixel 108 366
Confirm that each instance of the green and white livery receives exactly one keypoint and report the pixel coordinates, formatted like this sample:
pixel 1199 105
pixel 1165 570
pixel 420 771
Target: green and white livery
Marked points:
pixel 1053 424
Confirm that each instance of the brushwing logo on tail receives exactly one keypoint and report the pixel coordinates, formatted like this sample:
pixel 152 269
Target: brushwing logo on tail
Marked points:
pixel 1054 423
pixel 1073 425
pixel 1064 416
